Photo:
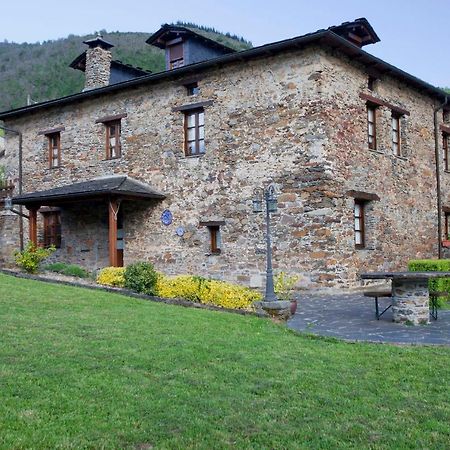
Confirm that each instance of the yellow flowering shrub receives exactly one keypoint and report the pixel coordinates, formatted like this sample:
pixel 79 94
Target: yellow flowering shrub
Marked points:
pixel 112 276
pixel 182 286
pixel 284 285
pixel 227 295
pixel 211 292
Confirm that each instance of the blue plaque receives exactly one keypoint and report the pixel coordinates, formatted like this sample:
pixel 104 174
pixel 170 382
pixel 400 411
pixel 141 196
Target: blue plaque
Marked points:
pixel 166 217
pixel 180 231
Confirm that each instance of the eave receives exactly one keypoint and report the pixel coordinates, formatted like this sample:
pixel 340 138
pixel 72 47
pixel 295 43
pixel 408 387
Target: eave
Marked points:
pixel 323 37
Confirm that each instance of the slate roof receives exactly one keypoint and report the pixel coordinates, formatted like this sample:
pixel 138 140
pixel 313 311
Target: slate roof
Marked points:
pixel 326 38
pixel 168 32
pixel 79 63
pixel 117 186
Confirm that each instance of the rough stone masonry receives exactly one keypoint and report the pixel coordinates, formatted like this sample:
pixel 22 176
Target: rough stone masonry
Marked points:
pixel 295 119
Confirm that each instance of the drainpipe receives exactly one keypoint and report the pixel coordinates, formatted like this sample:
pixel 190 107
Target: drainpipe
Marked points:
pixel 438 174
pixel 21 215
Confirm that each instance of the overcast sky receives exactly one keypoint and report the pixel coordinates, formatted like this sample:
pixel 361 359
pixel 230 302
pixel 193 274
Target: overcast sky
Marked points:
pixel 415 34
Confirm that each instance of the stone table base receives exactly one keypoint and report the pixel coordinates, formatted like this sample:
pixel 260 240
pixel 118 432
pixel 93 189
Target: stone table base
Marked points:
pixel 410 301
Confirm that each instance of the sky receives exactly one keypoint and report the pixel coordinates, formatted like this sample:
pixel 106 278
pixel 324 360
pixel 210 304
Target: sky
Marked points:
pixel 415 34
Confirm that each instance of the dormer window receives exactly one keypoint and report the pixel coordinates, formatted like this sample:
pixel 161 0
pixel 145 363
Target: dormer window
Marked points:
pixel 176 58
pixel 113 147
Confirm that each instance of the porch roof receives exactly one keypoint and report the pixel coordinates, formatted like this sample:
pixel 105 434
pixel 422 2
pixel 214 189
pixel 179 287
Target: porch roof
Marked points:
pixel 99 188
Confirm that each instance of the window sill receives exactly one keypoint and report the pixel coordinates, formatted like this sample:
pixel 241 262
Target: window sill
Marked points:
pixel 215 253
pixel 200 155
pixel 446 171
pixel 376 151
pixel 402 158
pixel 55 168
pixel 112 159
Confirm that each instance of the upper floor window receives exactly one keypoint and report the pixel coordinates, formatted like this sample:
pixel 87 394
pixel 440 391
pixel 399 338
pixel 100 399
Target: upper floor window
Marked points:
pixel 371 83
pixel 359 227
pixel 192 88
pixel 52 229
pixel 113 147
pixel 445 142
pixel 446 116
pixel 396 147
pixel 371 126
pixel 176 58
pixel 194 126
pixel 54 149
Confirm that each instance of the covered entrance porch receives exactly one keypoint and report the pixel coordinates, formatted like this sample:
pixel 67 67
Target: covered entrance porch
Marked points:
pixel 107 193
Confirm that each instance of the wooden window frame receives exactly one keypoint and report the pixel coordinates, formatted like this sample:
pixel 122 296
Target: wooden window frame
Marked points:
pixel 192 89
pixel 196 113
pixel 445 144
pixel 175 63
pixel 396 118
pixel 117 135
pixel 446 225
pixel 362 225
pixel 51 148
pixel 372 107
pixel 52 228
pixel 214 235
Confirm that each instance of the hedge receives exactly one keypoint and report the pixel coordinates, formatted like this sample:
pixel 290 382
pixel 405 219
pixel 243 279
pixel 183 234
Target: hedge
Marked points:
pixel 433 265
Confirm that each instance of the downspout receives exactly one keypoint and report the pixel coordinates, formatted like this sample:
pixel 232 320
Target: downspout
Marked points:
pixel 438 174
pixel 18 133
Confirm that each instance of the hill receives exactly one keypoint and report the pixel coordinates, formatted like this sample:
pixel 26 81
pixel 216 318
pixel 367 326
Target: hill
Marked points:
pixel 41 70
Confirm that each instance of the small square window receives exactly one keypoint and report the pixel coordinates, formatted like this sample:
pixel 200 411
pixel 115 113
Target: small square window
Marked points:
pixel 192 89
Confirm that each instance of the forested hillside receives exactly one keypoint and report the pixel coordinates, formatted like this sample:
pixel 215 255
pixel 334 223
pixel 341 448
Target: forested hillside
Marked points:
pixel 41 70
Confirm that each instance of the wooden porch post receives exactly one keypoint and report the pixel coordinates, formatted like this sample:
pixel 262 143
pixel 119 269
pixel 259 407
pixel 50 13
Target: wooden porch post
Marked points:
pixel 33 225
pixel 113 209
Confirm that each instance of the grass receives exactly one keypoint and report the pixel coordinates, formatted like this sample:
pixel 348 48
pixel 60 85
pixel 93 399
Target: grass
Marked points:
pixel 87 369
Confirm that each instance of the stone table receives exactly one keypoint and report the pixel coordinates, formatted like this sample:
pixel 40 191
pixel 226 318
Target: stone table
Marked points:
pixel 410 296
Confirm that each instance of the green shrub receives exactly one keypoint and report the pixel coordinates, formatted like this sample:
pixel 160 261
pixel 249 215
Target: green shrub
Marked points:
pixel 433 265
pixel 67 269
pixel 112 276
pixel 141 277
pixel 30 258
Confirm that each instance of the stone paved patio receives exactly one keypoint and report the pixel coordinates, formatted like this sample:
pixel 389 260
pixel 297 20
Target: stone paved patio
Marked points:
pixel 352 317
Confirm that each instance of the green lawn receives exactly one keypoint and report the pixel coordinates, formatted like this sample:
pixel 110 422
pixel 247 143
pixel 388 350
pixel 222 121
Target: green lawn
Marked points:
pixel 86 369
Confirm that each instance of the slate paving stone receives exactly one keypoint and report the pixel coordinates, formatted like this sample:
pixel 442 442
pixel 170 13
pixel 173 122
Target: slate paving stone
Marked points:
pixel 352 317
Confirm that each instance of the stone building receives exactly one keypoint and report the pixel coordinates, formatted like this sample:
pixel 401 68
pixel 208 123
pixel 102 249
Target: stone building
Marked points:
pixel 163 167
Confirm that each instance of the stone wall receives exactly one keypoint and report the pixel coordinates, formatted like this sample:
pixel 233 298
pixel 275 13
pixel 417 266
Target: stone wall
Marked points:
pixel 294 119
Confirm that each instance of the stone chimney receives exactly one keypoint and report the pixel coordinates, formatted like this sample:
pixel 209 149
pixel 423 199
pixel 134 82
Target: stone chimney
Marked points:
pixel 98 63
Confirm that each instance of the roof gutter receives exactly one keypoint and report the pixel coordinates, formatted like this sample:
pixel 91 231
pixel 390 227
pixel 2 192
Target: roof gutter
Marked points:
pixel 438 173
